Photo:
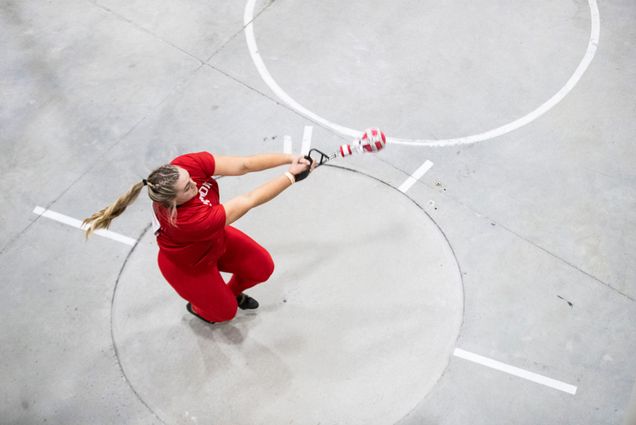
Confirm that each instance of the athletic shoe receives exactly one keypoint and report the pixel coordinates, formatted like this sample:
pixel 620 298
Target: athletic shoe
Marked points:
pixel 245 302
pixel 191 310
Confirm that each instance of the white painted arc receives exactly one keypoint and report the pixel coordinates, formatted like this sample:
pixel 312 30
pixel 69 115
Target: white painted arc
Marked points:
pixel 545 107
pixel 73 222
pixel 491 134
pixel 515 371
pixel 269 80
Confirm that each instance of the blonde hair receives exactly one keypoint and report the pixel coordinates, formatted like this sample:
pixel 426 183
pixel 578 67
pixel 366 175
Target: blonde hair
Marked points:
pixel 161 189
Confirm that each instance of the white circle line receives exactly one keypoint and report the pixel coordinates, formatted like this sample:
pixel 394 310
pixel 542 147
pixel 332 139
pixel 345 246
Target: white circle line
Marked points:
pixel 273 85
pixel 491 134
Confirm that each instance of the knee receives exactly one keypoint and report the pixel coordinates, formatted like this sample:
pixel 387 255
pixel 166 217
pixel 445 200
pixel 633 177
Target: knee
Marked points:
pixel 266 268
pixel 227 313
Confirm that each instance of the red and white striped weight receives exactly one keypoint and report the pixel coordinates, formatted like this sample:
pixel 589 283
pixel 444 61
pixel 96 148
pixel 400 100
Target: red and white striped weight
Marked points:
pixel 371 140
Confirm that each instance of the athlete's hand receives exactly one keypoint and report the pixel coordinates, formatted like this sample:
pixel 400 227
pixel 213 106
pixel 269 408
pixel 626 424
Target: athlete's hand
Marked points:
pixel 300 167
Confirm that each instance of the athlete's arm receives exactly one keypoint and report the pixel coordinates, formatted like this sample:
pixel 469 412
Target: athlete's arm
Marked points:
pixel 239 165
pixel 237 207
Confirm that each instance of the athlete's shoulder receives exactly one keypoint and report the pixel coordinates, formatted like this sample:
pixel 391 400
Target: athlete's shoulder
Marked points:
pixel 195 161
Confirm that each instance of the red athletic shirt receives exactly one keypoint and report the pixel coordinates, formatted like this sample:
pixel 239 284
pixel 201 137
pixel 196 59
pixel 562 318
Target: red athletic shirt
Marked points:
pixel 198 238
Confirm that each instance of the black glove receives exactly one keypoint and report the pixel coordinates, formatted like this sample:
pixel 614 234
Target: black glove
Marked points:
pixel 304 174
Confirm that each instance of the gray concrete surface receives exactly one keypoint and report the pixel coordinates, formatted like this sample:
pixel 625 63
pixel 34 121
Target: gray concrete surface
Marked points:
pixel 540 220
pixel 630 410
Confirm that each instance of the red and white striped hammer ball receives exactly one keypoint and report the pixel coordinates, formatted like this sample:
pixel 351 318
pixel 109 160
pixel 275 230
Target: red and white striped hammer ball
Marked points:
pixel 371 140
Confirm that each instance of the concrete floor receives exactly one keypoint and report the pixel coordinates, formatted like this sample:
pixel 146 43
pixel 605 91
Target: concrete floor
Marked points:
pixel 517 248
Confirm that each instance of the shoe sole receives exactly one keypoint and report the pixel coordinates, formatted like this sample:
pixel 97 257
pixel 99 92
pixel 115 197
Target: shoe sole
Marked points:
pixel 191 311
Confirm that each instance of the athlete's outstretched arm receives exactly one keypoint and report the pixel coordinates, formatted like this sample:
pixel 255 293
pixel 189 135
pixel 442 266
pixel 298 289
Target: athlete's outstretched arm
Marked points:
pixel 237 207
pixel 239 165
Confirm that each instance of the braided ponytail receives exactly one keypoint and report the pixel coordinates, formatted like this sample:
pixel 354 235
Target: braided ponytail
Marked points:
pixel 161 188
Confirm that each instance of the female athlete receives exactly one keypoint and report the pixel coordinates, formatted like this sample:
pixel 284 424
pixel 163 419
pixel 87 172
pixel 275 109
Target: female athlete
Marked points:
pixel 196 241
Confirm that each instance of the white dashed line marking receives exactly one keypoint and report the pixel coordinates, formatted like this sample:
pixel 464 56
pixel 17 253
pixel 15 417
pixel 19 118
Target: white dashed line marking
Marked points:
pixel 415 176
pixel 521 373
pixel 73 222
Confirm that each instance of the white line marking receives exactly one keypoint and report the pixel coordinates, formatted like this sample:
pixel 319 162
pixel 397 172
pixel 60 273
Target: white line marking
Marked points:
pixel 287 144
pixel 521 373
pixel 491 134
pixel 73 222
pixel 415 176
pixel 304 150
pixel 248 16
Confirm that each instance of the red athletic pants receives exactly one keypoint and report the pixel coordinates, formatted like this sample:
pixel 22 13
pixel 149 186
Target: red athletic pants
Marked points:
pixel 205 288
